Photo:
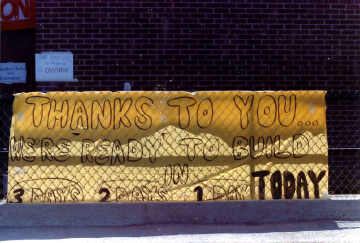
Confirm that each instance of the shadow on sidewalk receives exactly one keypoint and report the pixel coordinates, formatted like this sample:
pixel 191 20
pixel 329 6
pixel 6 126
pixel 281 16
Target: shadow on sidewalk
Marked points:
pixel 49 233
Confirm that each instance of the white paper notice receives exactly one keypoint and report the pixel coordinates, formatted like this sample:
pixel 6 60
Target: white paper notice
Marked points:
pixel 12 73
pixel 54 66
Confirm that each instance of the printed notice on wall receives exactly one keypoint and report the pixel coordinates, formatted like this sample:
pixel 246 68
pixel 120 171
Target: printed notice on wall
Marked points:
pixel 54 66
pixel 167 146
pixel 12 73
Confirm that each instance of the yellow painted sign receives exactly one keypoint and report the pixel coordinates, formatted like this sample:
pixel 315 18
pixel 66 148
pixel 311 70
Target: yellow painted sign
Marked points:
pixel 167 146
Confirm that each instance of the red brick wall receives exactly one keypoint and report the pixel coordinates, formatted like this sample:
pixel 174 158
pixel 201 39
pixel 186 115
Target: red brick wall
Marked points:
pixel 204 45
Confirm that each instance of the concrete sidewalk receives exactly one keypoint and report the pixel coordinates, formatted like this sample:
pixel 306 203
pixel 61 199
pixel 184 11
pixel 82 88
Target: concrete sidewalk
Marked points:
pixel 318 231
pixel 120 214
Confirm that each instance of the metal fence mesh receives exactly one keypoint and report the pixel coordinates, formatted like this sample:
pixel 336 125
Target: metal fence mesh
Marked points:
pixel 5 123
pixel 111 180
pixel 343 126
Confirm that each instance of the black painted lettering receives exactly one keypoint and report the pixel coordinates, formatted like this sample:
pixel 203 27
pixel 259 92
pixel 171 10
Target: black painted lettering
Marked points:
pixel 199 193
pixel 244 108
pixel 183 104
pixel 287 110
pixel 137 194
pixel 218 193
pixel 205 113
pixel 302 183
pixel 18 194
pixel 162 192
pixel 62 194
pixel 149 194
pixel 16 148
pixel 211 149
pixel 269 149
pixel 190 144
pixel 88 146
pixel 58 114
pixel 37 195
pixel 280 149
pixel 257 150
pixel 62 152
pixel 234 194
pixel 103 155
pixel 75 194
pixel 153 148
pixel 315 180
pixel 121 194
pixel 144 121
pixel 79 118
pixel 29 152
pixel 239 146
pixel 101 114
pixel 289 185
pixel 180 174
pixel 261 186
pixel 300 146
pixel 49 196
pixel 168 175
pixel 120 113
pixel 176 174
pixel 266 111
pixel 38 103
pixel 135 150
pixel 276 185
pixel 117 153
pixel 47 153
pixel 106 196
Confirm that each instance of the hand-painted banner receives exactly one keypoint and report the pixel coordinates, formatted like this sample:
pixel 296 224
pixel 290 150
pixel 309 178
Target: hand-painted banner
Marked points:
pixel 167 146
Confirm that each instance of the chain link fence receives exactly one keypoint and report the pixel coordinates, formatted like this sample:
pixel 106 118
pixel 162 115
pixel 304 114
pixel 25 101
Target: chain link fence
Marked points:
pixel 343 126
pixel 112 176
pixel 5 124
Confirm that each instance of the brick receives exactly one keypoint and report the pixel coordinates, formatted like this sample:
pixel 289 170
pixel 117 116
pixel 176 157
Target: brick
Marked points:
pixel 207 45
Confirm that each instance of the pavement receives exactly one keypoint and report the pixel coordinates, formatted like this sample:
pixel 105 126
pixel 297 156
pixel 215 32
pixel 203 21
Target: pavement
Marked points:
pixel 314 231
pixel 126 214
pixel 245 221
